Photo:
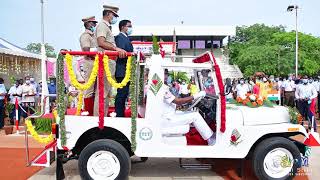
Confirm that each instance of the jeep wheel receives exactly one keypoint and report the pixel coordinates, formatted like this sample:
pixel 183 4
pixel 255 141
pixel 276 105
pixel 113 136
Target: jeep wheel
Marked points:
pixel 104 159
pixel 276 158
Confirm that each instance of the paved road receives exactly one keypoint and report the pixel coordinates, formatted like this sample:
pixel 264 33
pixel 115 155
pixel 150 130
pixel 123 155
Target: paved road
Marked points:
pixel 153 169
pixel 168 169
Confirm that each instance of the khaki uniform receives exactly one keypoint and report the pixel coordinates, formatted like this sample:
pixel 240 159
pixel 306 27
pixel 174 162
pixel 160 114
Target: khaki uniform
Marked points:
pixel 103 29
pixel 87 39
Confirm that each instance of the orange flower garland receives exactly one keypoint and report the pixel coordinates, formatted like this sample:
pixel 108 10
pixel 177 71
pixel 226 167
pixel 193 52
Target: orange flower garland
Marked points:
pixel 252 100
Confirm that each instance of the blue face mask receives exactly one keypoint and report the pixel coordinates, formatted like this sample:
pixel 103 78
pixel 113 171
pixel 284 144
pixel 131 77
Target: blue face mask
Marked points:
pixel 92 29
pixel 129 32
pixel 114 20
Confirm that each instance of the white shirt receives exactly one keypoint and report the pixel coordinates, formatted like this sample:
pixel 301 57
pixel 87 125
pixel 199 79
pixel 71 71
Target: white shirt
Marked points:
pixel 27 90
pixel 288 85
pixel 15 90
pixel 168 100
pixel 316 84
pixel 2 91
pixel 242 90
pixel 124 34
pixel 280 84
pixel 306 91
pixel 184 89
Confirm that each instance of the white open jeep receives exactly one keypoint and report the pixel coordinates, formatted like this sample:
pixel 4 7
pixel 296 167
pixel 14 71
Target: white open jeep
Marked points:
pixel 261 134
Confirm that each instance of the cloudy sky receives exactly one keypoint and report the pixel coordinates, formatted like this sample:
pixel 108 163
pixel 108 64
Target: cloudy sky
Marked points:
pixel 63 26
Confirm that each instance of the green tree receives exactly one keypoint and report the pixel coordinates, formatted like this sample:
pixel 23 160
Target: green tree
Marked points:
pixel 179 75
pixel 36 48
pixel 272 51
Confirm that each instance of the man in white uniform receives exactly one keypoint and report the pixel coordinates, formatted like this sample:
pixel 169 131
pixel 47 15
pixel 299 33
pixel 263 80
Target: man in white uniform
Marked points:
pixel 242 89
pixel 28 101
pixel 178 118
pixel 289 91
pixel 15 92
pixel 305 94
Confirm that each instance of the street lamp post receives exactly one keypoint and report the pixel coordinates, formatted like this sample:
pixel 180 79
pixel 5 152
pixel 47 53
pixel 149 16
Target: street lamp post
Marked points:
pixel 290 9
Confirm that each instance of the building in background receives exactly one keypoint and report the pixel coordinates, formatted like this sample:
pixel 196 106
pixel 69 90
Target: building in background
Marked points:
pixel 193 41
pixel 16 63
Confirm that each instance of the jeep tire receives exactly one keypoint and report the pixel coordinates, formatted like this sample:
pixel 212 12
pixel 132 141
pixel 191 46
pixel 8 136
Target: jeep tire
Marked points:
pixel 104 159
pixel 276 158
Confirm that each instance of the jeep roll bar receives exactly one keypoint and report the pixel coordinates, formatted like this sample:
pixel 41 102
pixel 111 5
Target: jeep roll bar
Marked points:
pixel 93 53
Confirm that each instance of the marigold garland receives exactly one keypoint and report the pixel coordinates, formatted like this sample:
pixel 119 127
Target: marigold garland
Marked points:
pixel 36 136
pixel 80 103
pixel 73 77
pixel 109 76
pixel 253 100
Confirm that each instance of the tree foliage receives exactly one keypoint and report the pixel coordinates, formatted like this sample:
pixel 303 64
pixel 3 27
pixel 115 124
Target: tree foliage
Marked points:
pixel 272 51
pixel 36 48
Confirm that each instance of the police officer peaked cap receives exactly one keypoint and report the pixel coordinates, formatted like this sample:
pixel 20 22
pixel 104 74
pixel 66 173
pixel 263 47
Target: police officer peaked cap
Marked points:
pixel 113 9
pixel 89 19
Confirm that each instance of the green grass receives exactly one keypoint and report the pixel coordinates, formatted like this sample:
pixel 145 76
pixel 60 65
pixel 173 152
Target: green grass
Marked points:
pixel 43 125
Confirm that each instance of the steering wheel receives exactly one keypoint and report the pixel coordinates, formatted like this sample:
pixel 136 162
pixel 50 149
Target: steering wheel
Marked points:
pixel 194 103
pixel 212 96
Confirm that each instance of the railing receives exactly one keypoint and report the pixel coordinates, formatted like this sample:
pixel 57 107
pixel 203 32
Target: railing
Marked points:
pixel 26 129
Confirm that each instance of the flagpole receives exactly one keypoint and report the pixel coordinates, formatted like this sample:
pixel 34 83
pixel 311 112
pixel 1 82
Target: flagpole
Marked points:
pixel 44 89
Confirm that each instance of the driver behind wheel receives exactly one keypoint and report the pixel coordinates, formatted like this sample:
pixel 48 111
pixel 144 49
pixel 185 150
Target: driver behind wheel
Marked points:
pixel 178 118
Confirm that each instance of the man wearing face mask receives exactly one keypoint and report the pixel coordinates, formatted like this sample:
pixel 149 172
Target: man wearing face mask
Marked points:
pixel 87 42
pixel 289 91
pixel 123 42
pixel 106 41
pixel 15 93
pixel 3 93
pixel 27 100
pixel 242 89
pixel 306 95
pixel 264 87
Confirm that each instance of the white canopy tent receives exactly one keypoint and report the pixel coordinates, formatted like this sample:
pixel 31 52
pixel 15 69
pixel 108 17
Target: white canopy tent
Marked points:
pixel 16 63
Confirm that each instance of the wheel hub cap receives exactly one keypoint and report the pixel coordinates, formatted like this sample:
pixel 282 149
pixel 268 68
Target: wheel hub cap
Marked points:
pixel 103 165
pixel 278 163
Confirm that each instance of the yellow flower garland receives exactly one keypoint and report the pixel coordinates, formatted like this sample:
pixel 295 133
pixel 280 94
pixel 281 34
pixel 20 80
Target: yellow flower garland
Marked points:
pixel 73 78
pixel 36 136
pixel 80 102
pixel 109 77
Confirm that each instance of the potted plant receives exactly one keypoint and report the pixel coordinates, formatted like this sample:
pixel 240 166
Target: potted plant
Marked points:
pixel 8 127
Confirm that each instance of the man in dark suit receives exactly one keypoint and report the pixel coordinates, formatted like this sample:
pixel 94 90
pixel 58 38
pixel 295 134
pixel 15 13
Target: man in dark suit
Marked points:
pixel 123 42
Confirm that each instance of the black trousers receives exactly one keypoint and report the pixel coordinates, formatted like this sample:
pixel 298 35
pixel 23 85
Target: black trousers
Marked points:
pixel 319 104
pixel 122 95
pixel 1 113
pixel 289 98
